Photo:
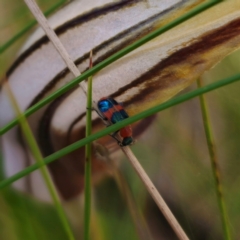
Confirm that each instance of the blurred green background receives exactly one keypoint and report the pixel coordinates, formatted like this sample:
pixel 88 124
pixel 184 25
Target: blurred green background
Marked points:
pixel 173 152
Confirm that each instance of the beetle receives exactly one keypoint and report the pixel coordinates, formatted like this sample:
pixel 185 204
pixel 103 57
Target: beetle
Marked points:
pixel 112 112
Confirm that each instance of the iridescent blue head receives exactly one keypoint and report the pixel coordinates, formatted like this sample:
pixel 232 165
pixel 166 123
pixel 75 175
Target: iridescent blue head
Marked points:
pixel 104 105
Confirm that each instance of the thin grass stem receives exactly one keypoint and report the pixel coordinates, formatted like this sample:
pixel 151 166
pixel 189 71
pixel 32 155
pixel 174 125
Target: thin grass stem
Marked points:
pixel 155 194
pixel 138 220
pixel 36 11
pixel 119 125
pixel 88 164
pixel 110 60
pixel 214 164
pixel 149 112
pixel 38 157
pixel 2 172
pixel 30 25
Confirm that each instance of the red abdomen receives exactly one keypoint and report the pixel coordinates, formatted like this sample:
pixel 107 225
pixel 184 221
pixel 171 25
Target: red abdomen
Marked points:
pixel 126 131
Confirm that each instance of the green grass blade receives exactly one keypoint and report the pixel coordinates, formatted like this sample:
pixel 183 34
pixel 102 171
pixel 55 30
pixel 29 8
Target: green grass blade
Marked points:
pixel 214 164
pixel 115 127
pixel 7 44
pixel 88 165
pixel 38 157
pixel 22 217
pixel 2 173
pixel 110 60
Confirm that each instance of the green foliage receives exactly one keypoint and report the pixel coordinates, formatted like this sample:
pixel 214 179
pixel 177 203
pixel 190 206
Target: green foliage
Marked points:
pixel 22 217
pixel 88 162
pixel 176 159
pixel 110 60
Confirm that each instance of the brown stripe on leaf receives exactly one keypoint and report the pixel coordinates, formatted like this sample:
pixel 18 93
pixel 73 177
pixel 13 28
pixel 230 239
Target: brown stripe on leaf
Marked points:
pixel 127 34
pixel 52 83
pixel 96 13
pixel 186 60
pixel 68 172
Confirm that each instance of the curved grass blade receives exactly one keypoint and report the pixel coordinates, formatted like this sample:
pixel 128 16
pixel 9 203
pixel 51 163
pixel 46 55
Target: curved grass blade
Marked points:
pixel 115 127
pixel 2 173
pixel 214 164
pixel 37 155
pixel 88 165
pixel 111 59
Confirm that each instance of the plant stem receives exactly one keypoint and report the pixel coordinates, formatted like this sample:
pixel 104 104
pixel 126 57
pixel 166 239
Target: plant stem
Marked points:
pixel 2 172
pixel 38 157
pixel 112 59
pixel 137 217
pixel 214 163
pixel 88 153
pixel 119 125
pixel 155 194
pixel 36 11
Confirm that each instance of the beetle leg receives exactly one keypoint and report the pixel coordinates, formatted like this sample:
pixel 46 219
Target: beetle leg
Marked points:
pixel 103 118
pixel 113 135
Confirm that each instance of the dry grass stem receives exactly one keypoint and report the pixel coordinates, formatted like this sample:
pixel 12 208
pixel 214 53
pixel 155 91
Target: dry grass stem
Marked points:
pixel 138 220
pixel 36 11
pixel 155 194
pixel 127 151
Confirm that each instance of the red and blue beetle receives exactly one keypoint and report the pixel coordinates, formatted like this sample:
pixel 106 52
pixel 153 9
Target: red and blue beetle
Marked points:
pixel 112 112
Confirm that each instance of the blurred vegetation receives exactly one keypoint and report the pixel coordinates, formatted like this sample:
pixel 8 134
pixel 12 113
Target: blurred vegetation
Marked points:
pixel 14 17
pixel 173 152
pixel 22 217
